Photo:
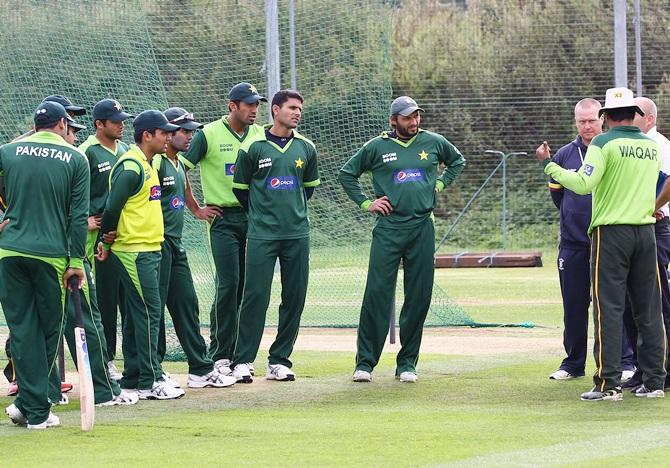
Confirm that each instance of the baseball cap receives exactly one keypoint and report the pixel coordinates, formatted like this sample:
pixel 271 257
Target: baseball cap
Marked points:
pixel 183 119
pixel 109 109
pixel 245 92
pixel 619 98
pixel 49 113
pixel 152 119
pixel 66 103
pixel 405 106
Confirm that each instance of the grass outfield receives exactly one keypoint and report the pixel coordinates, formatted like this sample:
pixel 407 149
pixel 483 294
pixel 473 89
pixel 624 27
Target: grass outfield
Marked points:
pixel 476 404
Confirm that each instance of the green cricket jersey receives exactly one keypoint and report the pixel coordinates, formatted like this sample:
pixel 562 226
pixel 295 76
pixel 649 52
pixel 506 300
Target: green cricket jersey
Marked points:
pixel 276 178
pixel 621 169
pixel 215 147
pixel 406 172
pixel 173 187
pixel 101 160
pixel 47 184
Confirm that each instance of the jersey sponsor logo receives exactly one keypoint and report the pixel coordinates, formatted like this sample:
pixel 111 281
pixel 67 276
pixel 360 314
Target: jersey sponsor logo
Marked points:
pixel 43 152
pixel 167 181
pixel 588 169
pixel 230 169
pixel 409 175
pixel 628 151
pixel 155 192
pixel 226 147
pixel 388 157
pixel 177 203
pixel 282 183
pixel 265 162
pixel 104 166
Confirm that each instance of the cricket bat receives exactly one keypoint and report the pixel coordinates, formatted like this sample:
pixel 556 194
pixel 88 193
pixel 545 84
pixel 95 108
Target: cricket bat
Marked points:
pixel 86 396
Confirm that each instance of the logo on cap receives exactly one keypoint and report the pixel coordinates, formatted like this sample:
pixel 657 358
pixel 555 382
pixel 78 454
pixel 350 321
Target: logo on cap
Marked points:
pixel 282 183
pixel 409 175
pixel 117 106
pixel 155 192
pixel 253 89
pixel 41 111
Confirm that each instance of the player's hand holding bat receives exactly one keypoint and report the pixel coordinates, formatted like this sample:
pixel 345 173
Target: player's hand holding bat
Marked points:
pixel 381 205
pixel 102 254
pixel 74 278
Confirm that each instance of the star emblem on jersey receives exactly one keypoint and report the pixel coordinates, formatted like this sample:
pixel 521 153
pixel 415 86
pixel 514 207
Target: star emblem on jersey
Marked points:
pixel 117 106
pixel 253 89
pixel 423 155
pixel 299 163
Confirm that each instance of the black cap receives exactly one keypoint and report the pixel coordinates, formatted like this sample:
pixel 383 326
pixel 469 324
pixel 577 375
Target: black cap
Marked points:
pixel 49 113
pixel 245 92
pixel 152 119
pixel 109 109
pixel 180 117
pixel 66 103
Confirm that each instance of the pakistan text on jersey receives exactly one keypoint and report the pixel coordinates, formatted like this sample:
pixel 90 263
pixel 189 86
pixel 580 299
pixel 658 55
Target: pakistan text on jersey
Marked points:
pixel 41 151
pixel 638 152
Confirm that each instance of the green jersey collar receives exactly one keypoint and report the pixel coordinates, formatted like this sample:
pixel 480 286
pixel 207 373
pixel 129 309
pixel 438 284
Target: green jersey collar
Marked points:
pixel 46 137
pixel 224 119
pixel 406 144
pixel 92 140
pixel 137 150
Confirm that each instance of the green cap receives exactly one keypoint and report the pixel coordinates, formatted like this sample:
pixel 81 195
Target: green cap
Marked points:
pixel 245 92
pixel 152 119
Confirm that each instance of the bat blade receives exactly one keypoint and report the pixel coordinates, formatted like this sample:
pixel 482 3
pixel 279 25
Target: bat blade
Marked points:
pixel 86 395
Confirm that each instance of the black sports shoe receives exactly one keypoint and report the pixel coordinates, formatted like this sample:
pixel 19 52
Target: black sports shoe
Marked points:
pixel 613 394
pixel 644 392
pixel 634 381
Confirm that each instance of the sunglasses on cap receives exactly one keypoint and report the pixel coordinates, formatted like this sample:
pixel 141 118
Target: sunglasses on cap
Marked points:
pixel 187 116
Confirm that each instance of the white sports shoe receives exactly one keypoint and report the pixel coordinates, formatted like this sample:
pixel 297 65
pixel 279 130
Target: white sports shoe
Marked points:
pixel 167 378
pixel 213 379
pixel 222 366
pixel 16 415
pixel 280 372
pixel 362 376
pixel 64 400
pixel 242 373
pixel 52 421
pixel 560 374
pixel 408 377
pixel 126 397
pixel 161 391
pixel 627 375
pixel 252 371
pixel 113 372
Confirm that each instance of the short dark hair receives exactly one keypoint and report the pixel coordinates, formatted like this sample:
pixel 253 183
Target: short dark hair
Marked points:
pixel 137 136
pixel 47 126
pixel 621 114
pixel 284 95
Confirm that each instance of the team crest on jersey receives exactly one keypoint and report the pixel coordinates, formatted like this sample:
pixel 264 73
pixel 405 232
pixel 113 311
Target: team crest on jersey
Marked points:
pixel 282 183
pixel 409 175
pixel 177 203
pixel 230 169
pixel 588 169
pixel 155 192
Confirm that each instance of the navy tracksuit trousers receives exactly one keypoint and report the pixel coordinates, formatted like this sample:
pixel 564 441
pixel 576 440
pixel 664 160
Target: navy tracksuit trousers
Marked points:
pixel 575 281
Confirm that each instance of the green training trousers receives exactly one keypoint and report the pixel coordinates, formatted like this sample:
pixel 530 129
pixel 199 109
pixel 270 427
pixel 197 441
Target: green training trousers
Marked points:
pixel 623 261
pixel 416 248
pixel 262 255
pixel 110 297
pixel 227 237
pixel 104 387
pixel 178 293
pixel 138 272
pixel 32 297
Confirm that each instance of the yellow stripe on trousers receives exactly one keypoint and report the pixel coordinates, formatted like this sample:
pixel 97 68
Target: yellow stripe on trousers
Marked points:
pixel 597 301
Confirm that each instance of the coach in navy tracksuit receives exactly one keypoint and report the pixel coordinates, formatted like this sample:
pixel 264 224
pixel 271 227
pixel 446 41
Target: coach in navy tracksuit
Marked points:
pixel 574 248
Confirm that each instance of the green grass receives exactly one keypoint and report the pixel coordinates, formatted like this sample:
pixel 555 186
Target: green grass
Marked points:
pixel 471 411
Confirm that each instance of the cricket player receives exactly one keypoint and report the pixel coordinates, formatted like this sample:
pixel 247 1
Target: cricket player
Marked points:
pixel 276 173
pixel 176 282
pixel 404 167
pixel 133 210
pixel 103 150
pixel 621 169
pixel 215 148
pixel 46 179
